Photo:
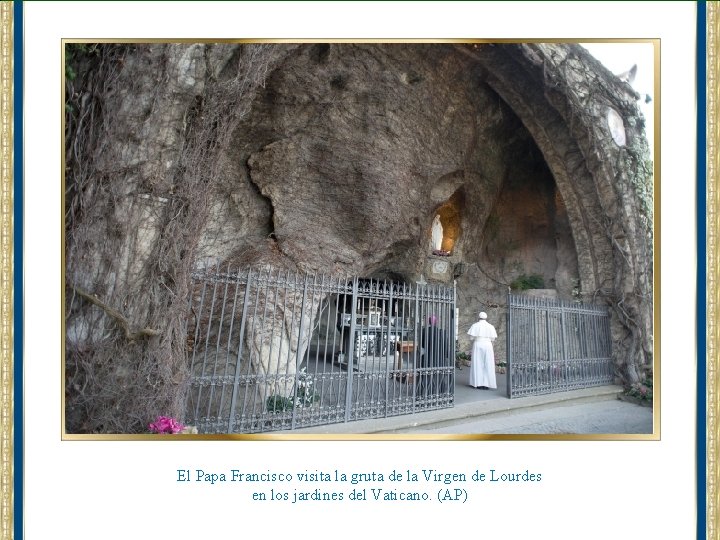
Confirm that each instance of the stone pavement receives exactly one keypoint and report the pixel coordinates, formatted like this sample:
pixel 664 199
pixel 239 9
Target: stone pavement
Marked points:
pixel 597 417
pixel 590 410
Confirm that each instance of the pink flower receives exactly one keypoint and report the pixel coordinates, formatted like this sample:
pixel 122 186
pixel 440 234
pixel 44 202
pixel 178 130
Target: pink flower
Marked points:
pixel 165 424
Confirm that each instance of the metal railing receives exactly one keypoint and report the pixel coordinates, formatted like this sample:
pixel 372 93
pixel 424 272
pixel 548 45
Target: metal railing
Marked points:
pixel 275 350
pixel 555 346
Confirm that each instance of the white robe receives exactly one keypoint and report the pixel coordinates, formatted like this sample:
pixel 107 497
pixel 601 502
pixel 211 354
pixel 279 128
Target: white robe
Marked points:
pixel 482 365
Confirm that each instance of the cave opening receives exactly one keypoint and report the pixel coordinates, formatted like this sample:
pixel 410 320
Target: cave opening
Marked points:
pixel 526 239
pixel 450 215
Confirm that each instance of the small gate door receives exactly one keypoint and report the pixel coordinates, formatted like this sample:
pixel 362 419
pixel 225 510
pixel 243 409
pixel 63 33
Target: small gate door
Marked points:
pixel 555 346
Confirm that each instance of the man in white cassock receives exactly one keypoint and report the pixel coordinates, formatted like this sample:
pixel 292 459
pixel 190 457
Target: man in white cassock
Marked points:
pixel 482 364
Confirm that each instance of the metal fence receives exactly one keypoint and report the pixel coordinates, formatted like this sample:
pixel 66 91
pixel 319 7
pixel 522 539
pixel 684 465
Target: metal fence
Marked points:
pixel 275 350
pixel 555 346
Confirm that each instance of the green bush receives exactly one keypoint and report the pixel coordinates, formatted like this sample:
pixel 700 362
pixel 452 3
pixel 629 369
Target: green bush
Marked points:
pixel 525 282
pixel 642 391
pixel 73 51
pixel 278 404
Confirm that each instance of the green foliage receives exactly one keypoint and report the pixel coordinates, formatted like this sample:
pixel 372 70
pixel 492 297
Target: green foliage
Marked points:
pixel 642 391
pixel 73 51
pixel 69 72
pixel 525 282
pixel 278 404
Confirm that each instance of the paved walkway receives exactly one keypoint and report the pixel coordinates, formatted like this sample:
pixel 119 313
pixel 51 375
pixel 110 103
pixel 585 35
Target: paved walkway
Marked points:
pixel 464 393
pixel 590 410
pixel 598 417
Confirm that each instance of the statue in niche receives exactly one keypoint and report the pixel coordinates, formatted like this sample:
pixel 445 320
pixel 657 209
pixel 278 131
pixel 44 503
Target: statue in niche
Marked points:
pixel 437 234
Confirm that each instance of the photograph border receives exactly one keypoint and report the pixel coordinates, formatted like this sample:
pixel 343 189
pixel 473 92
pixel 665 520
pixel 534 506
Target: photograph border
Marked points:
pixel 348 435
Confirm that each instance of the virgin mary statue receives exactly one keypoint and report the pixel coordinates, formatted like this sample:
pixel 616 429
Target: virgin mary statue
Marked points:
pixel 437 233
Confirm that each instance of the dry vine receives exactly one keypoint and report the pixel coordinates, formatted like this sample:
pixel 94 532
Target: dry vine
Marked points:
pixel 138 183
pixel 630 168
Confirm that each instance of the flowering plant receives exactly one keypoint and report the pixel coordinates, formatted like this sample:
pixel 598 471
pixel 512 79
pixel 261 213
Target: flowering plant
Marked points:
pixel 166 425
pixel 641 390
pixel 305 394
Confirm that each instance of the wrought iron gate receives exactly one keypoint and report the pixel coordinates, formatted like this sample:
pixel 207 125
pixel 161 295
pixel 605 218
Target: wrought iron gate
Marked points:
pixel 554 346
pixel 273 350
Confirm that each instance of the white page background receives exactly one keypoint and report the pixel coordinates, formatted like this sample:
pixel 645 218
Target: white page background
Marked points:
pixel 590 489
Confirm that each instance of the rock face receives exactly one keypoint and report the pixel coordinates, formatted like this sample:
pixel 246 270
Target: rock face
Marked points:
pixel 362 144
pixel 339 156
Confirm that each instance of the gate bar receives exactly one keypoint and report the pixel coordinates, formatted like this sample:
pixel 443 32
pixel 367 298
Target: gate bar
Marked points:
pixel 236 381
pixel 351 350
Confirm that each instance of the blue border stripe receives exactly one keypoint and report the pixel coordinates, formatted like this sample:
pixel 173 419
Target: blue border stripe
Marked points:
pixel 701 270
pixel 18 267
